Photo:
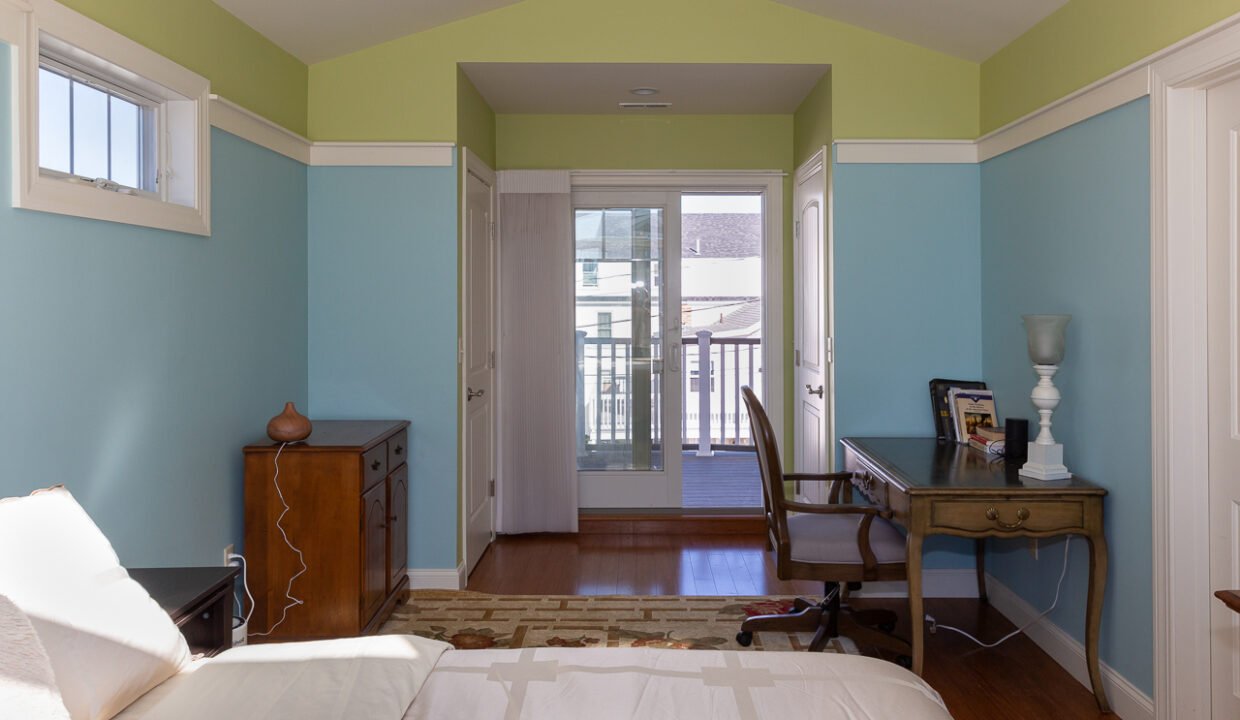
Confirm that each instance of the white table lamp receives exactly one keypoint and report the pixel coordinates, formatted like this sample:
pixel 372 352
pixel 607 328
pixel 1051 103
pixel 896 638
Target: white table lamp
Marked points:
pixel 1046 349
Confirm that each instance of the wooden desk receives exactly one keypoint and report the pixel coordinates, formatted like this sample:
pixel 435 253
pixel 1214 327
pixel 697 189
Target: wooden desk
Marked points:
pixel 952 489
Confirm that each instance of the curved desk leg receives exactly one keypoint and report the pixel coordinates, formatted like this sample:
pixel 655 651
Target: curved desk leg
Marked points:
pixel 1093 612
pixel 917 613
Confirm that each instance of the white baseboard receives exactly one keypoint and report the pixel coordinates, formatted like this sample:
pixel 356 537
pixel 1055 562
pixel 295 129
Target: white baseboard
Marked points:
pixel 437 578
pixel 1126 699
pixel 953 583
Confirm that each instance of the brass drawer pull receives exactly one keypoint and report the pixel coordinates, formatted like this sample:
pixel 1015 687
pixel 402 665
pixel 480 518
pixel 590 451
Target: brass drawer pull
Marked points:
pixel 400 449
pixel 375 465
pixel 1021 516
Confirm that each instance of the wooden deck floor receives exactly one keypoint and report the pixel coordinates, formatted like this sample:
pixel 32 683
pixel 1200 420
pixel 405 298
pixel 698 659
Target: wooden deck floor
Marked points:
pixel 730 479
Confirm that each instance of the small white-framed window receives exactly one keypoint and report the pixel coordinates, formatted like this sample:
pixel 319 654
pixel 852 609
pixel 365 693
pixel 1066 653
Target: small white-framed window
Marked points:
pixel 107 128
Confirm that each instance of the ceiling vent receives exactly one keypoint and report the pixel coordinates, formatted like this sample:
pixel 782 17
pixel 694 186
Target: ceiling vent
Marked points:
pixel 644 105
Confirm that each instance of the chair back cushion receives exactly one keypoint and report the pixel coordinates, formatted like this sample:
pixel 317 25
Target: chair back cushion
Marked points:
pixel 107 641
pixel 27 683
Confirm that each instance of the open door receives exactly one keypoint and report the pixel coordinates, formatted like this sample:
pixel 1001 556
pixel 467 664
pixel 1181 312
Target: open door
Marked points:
pixel 478 356
pixel 811 342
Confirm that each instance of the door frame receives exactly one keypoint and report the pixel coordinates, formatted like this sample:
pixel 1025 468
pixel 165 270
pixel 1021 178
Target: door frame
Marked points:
pixel 472 164
pixel 1179 385
pixel 770 183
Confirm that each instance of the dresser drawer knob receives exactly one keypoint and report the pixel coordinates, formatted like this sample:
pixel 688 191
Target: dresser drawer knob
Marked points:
pixel 375 465
pixel 400 449
pixel 1021 516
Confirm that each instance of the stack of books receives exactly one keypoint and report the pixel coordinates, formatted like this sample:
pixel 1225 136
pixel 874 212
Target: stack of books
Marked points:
pixel 988 439
pixel 961 409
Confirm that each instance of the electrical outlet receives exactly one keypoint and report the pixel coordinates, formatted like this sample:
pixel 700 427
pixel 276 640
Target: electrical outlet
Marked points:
pixel 1033 547
pixel 228 551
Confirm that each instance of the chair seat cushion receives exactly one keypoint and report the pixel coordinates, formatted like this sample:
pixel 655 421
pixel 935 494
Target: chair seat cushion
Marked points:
pixel 833 539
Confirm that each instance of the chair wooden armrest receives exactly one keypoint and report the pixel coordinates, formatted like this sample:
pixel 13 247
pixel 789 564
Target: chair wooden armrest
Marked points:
pixel 836 509
pixel 837 481
pixel 1230 598
pixel 869 561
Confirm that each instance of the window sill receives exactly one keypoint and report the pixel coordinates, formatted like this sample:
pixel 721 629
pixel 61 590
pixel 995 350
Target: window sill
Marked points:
pixel 52 195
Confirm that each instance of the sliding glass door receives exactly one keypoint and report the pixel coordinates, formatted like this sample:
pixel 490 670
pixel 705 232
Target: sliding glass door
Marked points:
pixel 628 348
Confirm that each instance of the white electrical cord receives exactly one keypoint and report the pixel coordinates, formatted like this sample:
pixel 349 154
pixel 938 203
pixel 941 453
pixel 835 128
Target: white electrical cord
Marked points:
pixel 288 592
pixel 934 625
pixel 245 585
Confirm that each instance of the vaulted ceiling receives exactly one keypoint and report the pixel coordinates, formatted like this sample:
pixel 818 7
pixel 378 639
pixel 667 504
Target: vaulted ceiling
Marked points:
pixel 317 30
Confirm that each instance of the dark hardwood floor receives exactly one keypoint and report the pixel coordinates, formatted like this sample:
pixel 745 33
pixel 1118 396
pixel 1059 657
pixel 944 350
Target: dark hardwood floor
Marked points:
pixel 1016 681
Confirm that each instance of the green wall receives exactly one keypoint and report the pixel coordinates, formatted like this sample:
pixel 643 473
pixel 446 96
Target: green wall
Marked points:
pixel 242 65
pixel 475 120
pixel 1084 41
pixel 405 89
pixel 812 122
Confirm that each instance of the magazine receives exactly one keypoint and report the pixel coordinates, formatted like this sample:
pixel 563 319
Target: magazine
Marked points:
pixel 970 410
pixel 939 387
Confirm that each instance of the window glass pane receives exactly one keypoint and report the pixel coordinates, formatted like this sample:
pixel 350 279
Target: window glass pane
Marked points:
pixel 90 132
pixel 124 142
pixel 53 121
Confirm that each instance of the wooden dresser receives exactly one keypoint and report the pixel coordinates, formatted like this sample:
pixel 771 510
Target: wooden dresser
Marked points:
pixel 347 488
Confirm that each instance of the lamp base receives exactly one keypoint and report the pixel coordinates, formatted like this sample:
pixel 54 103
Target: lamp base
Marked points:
pixel 1045 462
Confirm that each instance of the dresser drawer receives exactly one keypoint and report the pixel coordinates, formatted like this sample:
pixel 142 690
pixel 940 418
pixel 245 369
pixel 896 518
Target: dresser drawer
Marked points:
pixel 1007 515
pixel 397 449
pixel 374 465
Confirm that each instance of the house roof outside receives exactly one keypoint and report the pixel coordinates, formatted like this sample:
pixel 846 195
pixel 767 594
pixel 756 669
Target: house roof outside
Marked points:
pixel 720 235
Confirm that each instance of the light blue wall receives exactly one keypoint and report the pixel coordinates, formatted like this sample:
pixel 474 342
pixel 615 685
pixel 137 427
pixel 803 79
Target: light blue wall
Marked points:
pixel 1065 229
pixel 135 363
pixel 383 324
pixel 907 267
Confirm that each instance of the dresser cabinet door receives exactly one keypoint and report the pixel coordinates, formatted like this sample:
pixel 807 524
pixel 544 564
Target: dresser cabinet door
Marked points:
pixel 398 525
pixel 374 550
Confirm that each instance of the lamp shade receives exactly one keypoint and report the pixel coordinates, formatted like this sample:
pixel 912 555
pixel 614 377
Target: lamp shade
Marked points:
pixel 1046 337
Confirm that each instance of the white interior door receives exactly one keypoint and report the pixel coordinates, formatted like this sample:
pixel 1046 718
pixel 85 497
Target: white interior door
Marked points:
pixel 1223 208
pixel 479 360
pixel 627 344
pixel 811 371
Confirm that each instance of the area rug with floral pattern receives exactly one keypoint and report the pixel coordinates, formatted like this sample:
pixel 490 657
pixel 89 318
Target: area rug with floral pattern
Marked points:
pixel 471 620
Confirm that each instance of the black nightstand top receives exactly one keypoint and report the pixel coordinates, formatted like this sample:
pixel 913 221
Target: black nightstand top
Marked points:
pixel 180 590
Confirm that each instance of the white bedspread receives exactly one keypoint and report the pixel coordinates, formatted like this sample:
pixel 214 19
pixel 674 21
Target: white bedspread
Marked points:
pixel 628 683
pixel 370 677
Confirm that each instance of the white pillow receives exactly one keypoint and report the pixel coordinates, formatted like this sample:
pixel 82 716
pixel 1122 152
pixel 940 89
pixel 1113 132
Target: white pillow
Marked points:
pixel 27 685
pixel 107 640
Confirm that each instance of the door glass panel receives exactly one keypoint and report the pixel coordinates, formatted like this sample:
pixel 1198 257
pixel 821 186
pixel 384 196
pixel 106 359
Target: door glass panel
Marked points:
pixel 619 253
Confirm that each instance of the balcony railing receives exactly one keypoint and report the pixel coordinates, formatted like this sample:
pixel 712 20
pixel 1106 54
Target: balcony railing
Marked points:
pixel 712 412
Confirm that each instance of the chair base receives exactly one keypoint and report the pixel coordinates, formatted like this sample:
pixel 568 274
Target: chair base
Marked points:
pixel 829 619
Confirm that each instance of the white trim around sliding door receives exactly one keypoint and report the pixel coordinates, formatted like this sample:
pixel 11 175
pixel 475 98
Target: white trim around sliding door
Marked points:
pixel 771 184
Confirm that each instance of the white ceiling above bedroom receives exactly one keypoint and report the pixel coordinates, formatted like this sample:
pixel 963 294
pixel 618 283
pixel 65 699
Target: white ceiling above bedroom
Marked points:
pixel 317 30
pixel 969 29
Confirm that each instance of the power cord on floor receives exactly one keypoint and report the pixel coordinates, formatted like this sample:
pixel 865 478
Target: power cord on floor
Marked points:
pixel 288 592
pixel 935 626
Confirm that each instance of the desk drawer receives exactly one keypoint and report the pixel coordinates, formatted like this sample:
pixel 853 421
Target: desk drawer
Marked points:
pixel 1007 515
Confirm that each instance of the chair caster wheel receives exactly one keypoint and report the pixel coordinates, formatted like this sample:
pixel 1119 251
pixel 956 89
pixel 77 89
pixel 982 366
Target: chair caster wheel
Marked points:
pixel 745 639
pixel 905 662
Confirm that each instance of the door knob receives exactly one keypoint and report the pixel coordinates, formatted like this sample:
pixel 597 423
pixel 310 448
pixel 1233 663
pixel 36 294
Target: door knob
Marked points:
pixel 812 391
pixel 471 393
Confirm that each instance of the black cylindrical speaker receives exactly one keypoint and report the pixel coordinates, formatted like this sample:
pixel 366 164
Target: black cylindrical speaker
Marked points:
pixel 1016 439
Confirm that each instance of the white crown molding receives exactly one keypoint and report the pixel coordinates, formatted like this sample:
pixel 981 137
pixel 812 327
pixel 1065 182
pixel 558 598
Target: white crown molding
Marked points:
pixel 1127 700
pixel 437 579
pixel 867 152
pixel 232 118
pixel 387 154
pixel 1107 94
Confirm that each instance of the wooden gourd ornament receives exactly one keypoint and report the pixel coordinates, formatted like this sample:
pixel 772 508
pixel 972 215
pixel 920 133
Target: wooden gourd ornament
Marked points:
pixel 289 426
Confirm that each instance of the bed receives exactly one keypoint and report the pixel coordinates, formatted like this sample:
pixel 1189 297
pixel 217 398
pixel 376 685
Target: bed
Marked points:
pixel 67 658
